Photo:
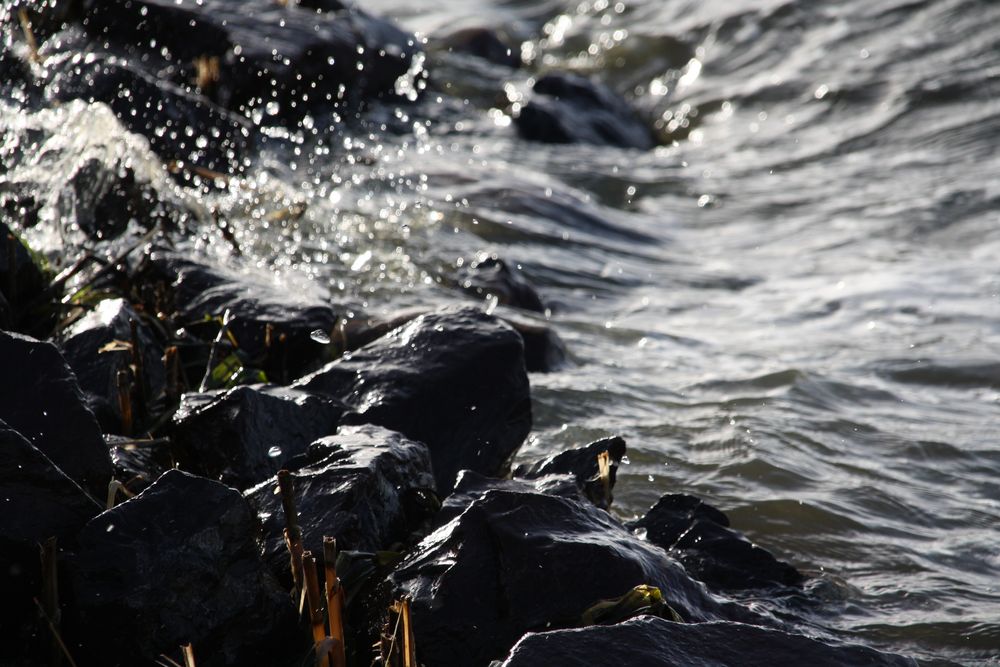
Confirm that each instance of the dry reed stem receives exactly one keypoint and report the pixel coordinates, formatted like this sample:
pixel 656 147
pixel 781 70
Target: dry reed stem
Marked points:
pixel 604 471
pixel 409 645
pixel 188 651
pixel 293 535
pixel 334 602
pixel 29 35
pixel 123 384
pixel 55 634
pixel 315 603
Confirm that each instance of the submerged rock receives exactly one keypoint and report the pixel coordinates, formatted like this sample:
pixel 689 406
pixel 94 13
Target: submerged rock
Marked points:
pixel 568 108
pixel 699 536
pixel 42 401
pixel 357 486
pixel 517 561
pixel 179 563
pixel 245 435
pixel 582 464
pixel 99 348
pixel 453 379
pixel 655 642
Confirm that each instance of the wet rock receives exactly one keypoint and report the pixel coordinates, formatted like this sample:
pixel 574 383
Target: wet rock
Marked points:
pixel 567 108
pixel 20 581
pixel 483 43
pixel 273 327
pixel 544 350
pixel 360 486
pixel 517 561
pixel 471 486
pixel 654 642
pixel 490 276
pixel 246 434
pixel 453 379
pixel 582 464
pixel 278 57
pixel 43 402
pixel 138 463
pixel 99 347
pixel 39 501
pixel 699 536
pixel 179 563
pixel 21 280
pixel 179 125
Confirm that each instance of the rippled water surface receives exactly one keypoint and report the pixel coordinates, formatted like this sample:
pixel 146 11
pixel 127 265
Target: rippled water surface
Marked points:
pixel 791 308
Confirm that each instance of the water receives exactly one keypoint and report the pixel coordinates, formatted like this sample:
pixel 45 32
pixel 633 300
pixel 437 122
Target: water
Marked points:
pixel 792 311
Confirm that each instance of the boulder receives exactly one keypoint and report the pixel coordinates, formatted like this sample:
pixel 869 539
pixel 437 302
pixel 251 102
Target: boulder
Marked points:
pixel 655 642
pixel 244 435
pixel 99 346
pixel 42 401
pixel 490 276
pixel 571 109
pixel 453 379
pixel 516 561
pixel 361 486
pixel 179 563
pixel 698 535
pixel 278 58
pixel 582 464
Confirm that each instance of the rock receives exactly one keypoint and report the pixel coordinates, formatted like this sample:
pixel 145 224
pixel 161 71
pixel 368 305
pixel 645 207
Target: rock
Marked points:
pixel 490 276
pixel 544 350
pixel 699 536
pixel 515 561
pixel 357 487
pixel 582 464
pixel 280 59
pixel 483 43
pixel 471 486
pixel 453 379
pixel 571 109
pixel 20 581
pixel 655 642
pixel 138 463
pixel 179 125
pixel 21 280
pixel 246 434
pixel 179 563
pixel 38 500
pixel 99 346
pixel 43 402
pixel 275 329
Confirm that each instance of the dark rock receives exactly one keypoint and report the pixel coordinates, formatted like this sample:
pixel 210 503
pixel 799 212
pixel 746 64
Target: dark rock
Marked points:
pixel 246 434
pixel 654 642
pixel 138 463
pixel 21 280
pixel 274 328
pixel 544 350
pixel 43 402
pixel 179 563
pixel 698 535
pixel 484 43
pixel 357 487
pixel 471 486
pixel 266 54
pixel 517 561
pixel 453 379
pixel 582 464
pixel 20 581
pixel 180 126
pixel 493 277
pixel 99 347
pixel 37 499
pixel 567 108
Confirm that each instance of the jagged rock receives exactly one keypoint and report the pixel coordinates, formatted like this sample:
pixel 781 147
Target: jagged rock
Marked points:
pixel 568 108
pixel 699 536
pixel 246 434
pixel 453 379
pixel 655 642
pixel 582 464
pixel 280 58
pixel 274 328
pixel 99 346
pixel 37 499
pixel 42 401
pixel 517 561
pixel 493 277
pixel 179 125
pixel 179 563
pixel 471 486
pixel 359 486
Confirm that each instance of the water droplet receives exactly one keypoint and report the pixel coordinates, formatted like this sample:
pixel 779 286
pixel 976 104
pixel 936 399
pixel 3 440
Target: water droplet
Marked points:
pixel 491 304
pixel 274 452
pixel 320 336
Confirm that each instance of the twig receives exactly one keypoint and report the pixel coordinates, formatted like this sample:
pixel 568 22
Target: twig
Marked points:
pixel 213 353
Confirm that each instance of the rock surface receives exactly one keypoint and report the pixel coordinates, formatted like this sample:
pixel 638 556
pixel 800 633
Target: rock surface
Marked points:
pixel 582 464
pixel 654 642
pixel 356 487
pixel 453 379
pixel 43 402
pixel 178 563
pixel 246 434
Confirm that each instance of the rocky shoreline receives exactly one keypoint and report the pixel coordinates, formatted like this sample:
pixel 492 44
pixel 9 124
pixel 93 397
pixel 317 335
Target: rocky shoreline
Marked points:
pixel 156 401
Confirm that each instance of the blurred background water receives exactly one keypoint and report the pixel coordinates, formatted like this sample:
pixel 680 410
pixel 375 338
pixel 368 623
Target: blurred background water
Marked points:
pixel 791 308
